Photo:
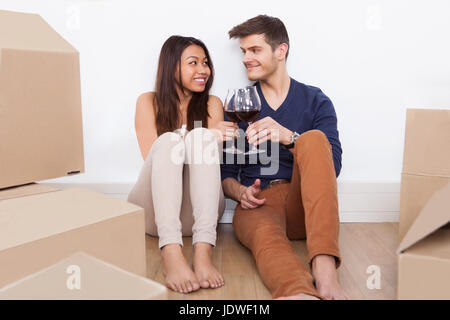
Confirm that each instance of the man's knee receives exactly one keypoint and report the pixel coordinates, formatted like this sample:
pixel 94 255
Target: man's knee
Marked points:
pixel 255 226
pixel 311 138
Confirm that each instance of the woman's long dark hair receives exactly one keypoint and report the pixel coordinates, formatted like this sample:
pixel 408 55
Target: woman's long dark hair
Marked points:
pixel 166 100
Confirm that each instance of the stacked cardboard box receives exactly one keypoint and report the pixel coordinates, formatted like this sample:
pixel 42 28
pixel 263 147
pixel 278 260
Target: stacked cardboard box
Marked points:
pixel 41 137
pixel 424 250
pixel 40 229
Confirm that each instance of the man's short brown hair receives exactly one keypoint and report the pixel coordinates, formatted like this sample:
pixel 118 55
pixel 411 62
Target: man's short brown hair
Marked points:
pixel 274 31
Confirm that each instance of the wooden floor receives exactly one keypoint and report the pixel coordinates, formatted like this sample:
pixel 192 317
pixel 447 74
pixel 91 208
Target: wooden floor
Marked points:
pixel 361 244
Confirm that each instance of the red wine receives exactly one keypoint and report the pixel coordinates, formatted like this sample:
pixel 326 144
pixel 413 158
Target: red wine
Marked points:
pixel 248 116
pixel 232 116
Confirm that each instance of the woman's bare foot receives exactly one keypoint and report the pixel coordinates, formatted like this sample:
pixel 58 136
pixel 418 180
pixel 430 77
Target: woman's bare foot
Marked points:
pixel 204 269
pixel 326 278
pixel 300 296
pixel 178 275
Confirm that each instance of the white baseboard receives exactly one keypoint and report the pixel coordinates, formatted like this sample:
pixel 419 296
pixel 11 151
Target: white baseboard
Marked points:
pixel 358 201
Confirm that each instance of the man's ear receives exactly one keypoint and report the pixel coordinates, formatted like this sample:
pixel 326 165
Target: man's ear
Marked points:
pixel 282 51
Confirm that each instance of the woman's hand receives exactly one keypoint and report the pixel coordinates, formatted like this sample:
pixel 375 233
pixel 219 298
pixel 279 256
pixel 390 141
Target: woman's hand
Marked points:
pixel 225 131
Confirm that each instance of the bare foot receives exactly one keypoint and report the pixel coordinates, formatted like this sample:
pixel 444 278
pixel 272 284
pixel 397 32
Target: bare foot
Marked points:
pixel 178 275
pixel 204 269
pixel 326 278
pixel 300 296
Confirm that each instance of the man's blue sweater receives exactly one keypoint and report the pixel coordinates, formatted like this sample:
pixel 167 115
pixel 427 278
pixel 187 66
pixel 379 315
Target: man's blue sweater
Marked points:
pixel 305 108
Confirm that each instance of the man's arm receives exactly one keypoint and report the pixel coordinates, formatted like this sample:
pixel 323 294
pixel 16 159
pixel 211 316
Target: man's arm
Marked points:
pixel 246 196
pixel 233 189
pixel 325 119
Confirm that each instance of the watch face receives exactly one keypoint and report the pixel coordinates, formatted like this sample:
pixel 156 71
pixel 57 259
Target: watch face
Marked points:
pixel 294 137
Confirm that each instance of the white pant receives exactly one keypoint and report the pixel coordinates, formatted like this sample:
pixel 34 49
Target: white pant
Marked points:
pixel 180 189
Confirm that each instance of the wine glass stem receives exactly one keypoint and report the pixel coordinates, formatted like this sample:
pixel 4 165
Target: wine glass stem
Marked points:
pixel 252 147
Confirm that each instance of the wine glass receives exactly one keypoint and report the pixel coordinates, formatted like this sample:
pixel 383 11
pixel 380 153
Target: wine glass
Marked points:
pixel 229 108
pixel 248 107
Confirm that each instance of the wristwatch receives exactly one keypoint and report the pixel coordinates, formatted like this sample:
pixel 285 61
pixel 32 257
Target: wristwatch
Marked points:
pixel 294 137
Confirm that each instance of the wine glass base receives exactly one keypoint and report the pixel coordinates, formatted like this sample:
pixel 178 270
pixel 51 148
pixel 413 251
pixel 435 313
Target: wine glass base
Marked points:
pixel 254 152
pixel 232 150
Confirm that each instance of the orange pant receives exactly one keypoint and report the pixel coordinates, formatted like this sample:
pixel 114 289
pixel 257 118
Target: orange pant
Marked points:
pixel 305 208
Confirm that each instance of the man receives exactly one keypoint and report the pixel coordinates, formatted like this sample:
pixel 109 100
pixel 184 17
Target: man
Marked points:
pixel 299 200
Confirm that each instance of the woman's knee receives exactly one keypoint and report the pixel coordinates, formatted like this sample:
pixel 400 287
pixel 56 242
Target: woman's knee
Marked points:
pixel 168 138
pixel 201 147
pixel 169 143
pixel 202 134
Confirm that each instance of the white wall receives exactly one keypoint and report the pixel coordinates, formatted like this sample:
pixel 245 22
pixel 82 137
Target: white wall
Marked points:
pixel 372 58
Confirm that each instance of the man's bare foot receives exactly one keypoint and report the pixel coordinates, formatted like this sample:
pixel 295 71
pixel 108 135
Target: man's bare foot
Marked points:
pixel 178 275
pixel 204 269
pixel 300 296
pixel 326 278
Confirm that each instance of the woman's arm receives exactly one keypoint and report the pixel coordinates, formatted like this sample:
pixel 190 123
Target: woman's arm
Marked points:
pixel 215 111
pixel 144 123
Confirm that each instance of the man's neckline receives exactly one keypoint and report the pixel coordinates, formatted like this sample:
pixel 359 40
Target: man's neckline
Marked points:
pixel 285 101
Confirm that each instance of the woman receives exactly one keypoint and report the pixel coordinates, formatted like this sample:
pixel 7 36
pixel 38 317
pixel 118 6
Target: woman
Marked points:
pixel 179 185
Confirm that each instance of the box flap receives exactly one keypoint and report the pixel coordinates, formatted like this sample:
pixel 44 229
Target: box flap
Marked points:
pixel 434 215
pixel 97 280
pixel 427 142
pixel 25 190
pixel 415 192
pixel 31 32
pixel 55 213
pixel 434 246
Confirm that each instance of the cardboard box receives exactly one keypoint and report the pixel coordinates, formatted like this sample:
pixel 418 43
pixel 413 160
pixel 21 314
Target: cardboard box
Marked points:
pixel 41 135
pixel 24 190
pixel 39 230
pixel 424 236
pixel 82 277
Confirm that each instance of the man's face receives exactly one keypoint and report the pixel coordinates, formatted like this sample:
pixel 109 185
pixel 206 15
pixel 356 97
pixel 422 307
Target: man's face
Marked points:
pixel 259 59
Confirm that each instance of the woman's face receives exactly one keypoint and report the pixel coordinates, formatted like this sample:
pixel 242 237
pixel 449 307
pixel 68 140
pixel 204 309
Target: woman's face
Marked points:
pixel 195 69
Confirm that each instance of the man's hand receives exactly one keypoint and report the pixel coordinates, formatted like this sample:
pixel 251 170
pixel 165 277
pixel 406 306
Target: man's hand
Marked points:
pixel 248 198
pixel 268 129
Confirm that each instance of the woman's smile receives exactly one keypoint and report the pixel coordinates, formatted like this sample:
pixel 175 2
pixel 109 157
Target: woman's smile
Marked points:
pixel 201 80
